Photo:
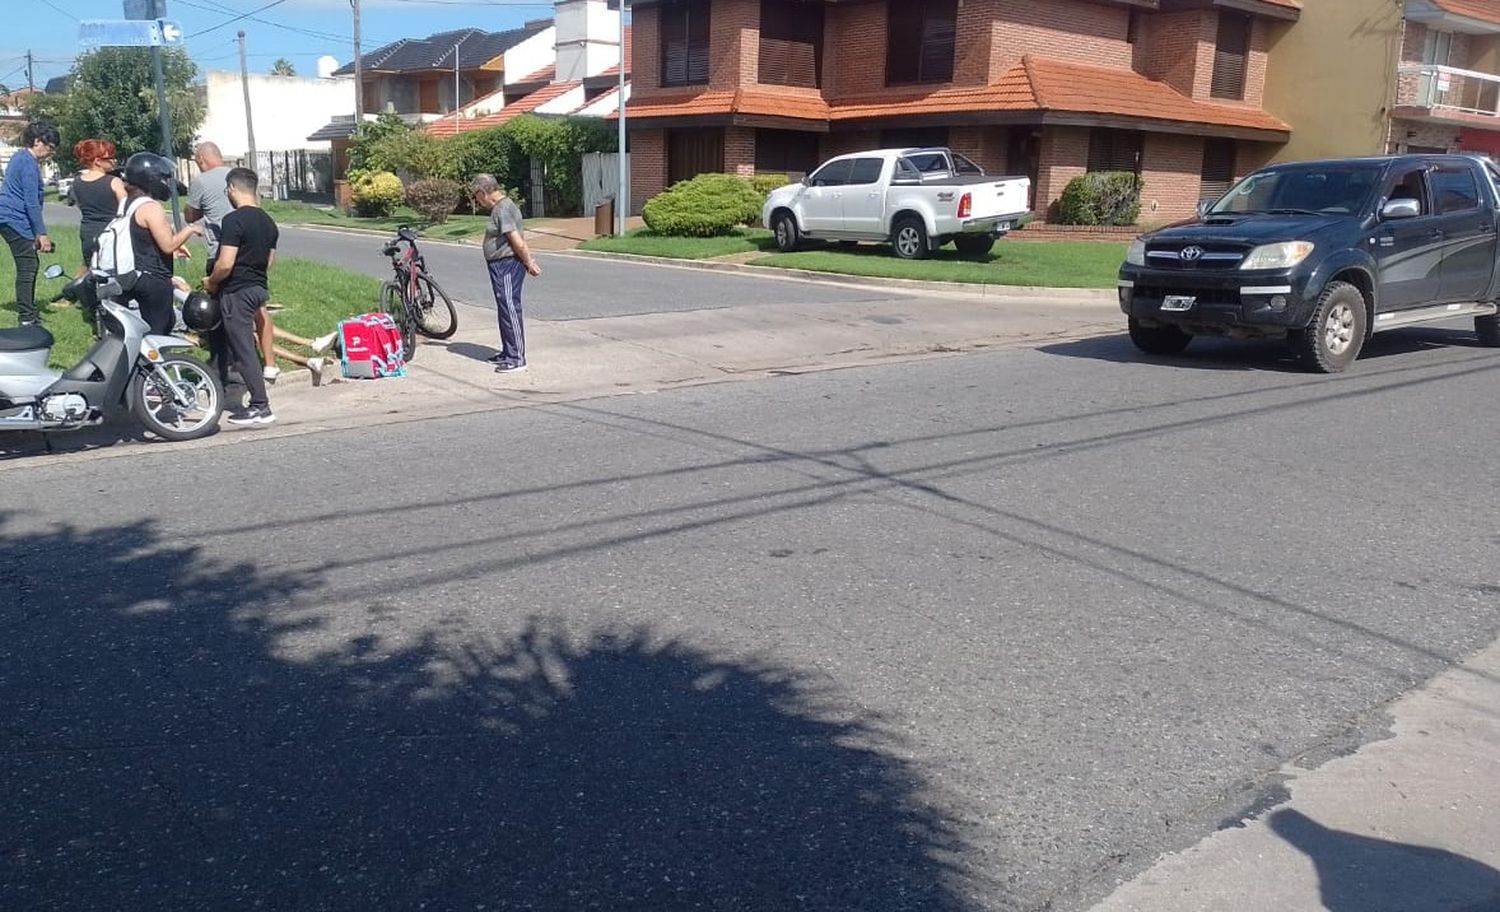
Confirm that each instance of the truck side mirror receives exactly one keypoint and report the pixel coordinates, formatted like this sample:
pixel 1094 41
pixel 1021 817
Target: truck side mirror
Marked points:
pixel 1401 209
pixel 1203 206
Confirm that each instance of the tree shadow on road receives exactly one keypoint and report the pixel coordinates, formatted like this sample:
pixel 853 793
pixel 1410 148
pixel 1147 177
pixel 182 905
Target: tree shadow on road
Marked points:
pixel 192 734
pixel 1364 874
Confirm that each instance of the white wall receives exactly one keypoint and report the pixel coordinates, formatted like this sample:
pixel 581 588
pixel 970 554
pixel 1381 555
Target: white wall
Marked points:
pixel 287 110
pixel 530 55
pixel 588 39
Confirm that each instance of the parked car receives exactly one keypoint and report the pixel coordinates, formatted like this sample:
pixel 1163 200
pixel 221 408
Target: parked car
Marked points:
pixel 1324 254
pixel 65 188
pixel 915 199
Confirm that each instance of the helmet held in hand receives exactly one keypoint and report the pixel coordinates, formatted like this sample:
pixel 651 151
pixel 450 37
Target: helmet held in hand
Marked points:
pixel 200 312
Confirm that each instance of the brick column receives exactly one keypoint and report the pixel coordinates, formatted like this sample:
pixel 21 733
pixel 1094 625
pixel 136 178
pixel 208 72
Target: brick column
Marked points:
pixel 739 151
pixel 1064 156
pixel 648 166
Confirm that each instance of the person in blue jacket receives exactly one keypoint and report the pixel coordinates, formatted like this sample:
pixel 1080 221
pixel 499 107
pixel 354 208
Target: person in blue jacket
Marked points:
pixel 21 224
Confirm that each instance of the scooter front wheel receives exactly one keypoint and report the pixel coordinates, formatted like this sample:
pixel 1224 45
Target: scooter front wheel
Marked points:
pixel 178 398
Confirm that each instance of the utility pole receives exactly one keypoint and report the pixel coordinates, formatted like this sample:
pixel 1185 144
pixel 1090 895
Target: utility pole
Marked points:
pixel 249 120
pixel 30 73
pixel 457 90
pixel 359 72
pixel 622 198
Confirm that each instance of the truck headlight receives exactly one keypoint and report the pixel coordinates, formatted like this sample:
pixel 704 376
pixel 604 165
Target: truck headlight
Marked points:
pixel 1278 256
pixel 1136 254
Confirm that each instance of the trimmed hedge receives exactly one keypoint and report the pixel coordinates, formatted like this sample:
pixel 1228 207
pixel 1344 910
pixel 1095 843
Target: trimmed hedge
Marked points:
pixel 434 199
pixel 709 205
pixel 1101 198
pixel 376 194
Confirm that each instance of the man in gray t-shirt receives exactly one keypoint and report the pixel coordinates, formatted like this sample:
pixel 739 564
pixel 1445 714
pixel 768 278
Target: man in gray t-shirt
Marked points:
pixel 208 196
pixel 510 262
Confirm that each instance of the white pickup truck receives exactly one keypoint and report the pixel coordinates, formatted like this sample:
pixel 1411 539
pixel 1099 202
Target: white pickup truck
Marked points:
pixel 915 199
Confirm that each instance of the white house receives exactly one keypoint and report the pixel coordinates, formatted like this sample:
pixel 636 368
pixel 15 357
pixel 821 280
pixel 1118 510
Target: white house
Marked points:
pixel 286 109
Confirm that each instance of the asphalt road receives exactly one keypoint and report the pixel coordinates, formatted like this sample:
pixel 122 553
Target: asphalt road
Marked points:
pixel 982 633
pixel 571 287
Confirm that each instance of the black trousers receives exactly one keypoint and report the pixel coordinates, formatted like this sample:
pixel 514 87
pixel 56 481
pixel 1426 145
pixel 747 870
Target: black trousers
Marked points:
pixel 235 341
pixel 153 295
pixel 23 249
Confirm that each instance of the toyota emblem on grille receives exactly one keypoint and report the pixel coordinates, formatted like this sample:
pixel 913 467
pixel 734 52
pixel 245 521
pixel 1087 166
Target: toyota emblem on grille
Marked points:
pixel 1191 254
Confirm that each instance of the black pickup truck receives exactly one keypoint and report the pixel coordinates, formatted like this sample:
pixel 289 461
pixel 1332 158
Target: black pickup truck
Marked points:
pixel 1324 254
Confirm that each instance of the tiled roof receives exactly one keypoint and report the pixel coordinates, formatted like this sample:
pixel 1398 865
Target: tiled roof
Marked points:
pixel 1483 10
pixel 475 48
pixel 1036 84
pixel 541 77
pixel 448 126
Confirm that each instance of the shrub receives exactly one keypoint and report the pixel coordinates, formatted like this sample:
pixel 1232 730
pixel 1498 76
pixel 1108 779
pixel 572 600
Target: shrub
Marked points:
pixel 367 135
pixel 376 194
pixel 765 183
pixel 1101 198
pixel 489 151
pixel 559 144
pixel 434 198
pixel 706 206
pixel 415 153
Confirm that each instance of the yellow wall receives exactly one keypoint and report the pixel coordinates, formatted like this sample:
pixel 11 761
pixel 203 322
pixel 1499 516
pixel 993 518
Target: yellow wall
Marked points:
pixel 1331 76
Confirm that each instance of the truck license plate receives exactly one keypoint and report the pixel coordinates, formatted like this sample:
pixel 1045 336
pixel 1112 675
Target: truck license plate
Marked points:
pixel 1002 226
pixel 1178 303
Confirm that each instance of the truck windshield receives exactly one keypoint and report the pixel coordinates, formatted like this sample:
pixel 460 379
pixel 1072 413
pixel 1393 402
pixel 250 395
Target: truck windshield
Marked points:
pixel 1334 189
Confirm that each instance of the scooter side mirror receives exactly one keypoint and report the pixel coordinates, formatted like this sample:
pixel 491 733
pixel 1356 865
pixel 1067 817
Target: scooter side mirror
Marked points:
pixel 55 271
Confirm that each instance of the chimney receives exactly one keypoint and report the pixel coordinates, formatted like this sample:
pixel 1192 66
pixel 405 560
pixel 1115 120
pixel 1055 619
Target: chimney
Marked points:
pixel 588 34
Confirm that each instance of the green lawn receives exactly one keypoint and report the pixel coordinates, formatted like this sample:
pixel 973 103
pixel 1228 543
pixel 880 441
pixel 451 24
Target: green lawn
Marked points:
pixel 457 228
pixel 1051 264
pixel 643 242
pixel 314 297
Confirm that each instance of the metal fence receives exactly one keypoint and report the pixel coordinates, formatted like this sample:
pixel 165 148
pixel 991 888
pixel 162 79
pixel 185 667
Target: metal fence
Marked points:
pixel 601 178
pixel 297 174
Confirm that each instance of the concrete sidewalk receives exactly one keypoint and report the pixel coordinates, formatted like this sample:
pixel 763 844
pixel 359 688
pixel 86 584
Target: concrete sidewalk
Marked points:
pixel 584 359
pixel 1407 824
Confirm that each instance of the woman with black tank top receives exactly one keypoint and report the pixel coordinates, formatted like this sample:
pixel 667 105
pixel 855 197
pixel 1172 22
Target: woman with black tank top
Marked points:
pixel 148 179
pixel 97 192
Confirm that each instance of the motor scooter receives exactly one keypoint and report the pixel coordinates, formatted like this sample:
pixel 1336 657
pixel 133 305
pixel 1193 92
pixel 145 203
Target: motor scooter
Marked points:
pixel 176 396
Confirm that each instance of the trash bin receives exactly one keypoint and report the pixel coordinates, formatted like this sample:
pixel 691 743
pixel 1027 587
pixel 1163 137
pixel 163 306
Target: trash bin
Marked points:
pixel 604 218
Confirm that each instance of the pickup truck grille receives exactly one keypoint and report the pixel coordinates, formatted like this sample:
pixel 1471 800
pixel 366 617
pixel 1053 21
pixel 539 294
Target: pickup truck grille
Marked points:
pixel 1199 256
pixel 1204 295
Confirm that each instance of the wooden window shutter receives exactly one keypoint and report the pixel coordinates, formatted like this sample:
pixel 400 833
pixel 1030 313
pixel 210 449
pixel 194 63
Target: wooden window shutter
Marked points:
pixel 1231 50
pixel 1218 168
pixel 1114 150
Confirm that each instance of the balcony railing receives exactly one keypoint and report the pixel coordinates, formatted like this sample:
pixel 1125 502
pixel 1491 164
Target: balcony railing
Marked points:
pixel 1444 89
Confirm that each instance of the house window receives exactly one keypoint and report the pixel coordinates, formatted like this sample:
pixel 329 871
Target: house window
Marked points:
pixel 1218 168
pixel 1231 49
pixel 1114 150
pixel 914 138
pixel 920 40
pixel 694 152
pixel 684 42
pixel 785 152
pixel 791 43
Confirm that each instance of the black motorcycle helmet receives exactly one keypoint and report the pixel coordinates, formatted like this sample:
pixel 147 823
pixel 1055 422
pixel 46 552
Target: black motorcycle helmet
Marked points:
pixel 150 173
pixel 200 313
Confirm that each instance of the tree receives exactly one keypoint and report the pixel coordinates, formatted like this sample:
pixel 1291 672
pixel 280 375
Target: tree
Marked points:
pixel 113 97
pixel 283 67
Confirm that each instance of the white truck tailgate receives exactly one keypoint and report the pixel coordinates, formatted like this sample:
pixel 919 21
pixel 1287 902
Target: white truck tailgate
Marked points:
pixel 1004 197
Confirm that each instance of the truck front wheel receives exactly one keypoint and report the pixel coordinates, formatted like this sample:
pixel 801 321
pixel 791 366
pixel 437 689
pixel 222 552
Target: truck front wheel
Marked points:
pixel 1332 340
pixel 909 239
pixel 1158 340
pixel 788 236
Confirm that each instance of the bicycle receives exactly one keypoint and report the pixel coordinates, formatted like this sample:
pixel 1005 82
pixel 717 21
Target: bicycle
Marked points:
pixel 416 302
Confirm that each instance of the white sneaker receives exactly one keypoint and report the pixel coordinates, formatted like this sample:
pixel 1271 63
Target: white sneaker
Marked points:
pixel 321 343
pixel 315 367
pixel 271 373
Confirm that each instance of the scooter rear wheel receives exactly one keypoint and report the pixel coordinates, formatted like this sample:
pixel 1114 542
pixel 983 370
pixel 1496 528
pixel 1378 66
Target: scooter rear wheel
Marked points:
pixel 197 385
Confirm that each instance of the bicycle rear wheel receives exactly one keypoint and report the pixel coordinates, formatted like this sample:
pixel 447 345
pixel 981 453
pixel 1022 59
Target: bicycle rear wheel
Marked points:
pixel 393 302
pixel 436 317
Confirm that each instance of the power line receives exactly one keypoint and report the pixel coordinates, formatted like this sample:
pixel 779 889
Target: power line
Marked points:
pixel 233 19
pixel 60 10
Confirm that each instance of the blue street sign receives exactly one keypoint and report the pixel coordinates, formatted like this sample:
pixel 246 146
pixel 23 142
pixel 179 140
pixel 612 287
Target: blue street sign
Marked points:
pixel 129 33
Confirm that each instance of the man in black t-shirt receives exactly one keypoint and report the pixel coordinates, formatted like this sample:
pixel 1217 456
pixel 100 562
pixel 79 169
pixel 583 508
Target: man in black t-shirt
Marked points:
pixel 247 248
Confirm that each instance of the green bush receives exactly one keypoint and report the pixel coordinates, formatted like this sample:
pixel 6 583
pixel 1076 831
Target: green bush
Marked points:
pixel 559 143
pixel 434 198
pixel 1101 198
pixel 489 151
pixel 368 135
pixel 765 183
pixel 376 194
pixel 706 206
pixel 415 153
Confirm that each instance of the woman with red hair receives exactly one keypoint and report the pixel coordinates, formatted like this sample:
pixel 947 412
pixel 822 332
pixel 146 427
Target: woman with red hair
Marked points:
pixel 97 192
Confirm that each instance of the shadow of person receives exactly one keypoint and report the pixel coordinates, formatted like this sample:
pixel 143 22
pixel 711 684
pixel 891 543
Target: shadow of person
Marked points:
pixel 184 733
pixel 1364 874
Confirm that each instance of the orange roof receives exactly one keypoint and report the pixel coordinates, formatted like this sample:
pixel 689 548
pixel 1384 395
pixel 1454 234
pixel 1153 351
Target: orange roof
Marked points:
pixel 1079 88
pixel 1483 10
pixel 760 100
pixel 545 74
pixel 449 126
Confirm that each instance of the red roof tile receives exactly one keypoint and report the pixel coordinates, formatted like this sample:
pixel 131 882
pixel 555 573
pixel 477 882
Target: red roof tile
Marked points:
pixel 1483 10
pixel 1079 88
pixel 448 125
pixel 545 74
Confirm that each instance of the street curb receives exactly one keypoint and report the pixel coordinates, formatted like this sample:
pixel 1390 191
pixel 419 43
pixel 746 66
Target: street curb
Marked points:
pixel 834 278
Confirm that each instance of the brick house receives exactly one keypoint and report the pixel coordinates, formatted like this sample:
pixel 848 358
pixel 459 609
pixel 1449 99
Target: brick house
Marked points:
pixel 1448 79
pixel 1171 89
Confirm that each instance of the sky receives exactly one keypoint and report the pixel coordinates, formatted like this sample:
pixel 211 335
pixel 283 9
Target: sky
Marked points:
pixel 299 30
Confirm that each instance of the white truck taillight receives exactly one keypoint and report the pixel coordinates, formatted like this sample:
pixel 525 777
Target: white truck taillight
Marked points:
pixel 965 205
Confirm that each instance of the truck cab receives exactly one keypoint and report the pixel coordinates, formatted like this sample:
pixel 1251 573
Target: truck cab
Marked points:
pixel 1324 254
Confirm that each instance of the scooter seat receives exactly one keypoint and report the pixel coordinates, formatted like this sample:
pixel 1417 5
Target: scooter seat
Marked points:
pixel 24 338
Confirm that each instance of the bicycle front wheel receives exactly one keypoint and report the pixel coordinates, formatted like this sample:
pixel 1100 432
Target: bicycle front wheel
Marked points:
pixel 393 302
pixel 436 317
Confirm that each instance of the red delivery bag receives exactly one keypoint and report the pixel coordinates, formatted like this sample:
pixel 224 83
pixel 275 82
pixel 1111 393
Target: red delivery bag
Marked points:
pixel 372 347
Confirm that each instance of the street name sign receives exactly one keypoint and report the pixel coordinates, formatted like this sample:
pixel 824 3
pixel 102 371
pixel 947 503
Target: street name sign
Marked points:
pixel 129 33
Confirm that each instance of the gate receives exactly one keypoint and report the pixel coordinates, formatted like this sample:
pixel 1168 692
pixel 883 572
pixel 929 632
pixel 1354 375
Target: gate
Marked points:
pixel 297 174
pixel 601 178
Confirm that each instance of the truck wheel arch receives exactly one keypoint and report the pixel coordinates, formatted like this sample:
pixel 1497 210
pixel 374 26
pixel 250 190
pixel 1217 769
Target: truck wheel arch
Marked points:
pixel 1362 280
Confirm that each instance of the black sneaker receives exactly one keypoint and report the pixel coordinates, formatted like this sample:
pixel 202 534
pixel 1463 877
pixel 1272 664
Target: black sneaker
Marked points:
pixel 496 358
pixel 251 417
pixel 509 367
